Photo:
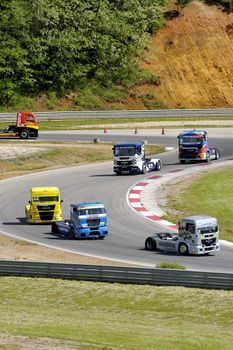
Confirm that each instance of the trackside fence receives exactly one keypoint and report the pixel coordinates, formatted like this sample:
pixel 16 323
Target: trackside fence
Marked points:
pixel 157 113
pixel 118 274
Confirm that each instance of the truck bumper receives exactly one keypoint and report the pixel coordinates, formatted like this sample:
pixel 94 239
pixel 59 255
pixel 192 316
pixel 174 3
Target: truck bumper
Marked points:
pixel 127 170
pixel 99 232
pixel 201 250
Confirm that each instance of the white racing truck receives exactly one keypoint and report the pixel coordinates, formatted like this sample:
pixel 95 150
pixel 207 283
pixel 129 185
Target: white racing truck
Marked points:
pixel 130 158
pixel 197 235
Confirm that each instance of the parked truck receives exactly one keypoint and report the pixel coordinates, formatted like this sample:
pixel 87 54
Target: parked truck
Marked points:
pixel 194 146
pixel 130 158
pixel 26 127
pixel 87 220
pixel 44 205
pixel 197 235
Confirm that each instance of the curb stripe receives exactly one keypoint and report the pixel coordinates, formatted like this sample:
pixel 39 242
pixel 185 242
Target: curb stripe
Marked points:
pixel 134 200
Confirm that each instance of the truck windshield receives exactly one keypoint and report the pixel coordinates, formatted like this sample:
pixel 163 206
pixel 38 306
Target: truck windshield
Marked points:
pixel 190 139
pixel 207 229
pixel 91 211
pixel 45 199
pixel 124 150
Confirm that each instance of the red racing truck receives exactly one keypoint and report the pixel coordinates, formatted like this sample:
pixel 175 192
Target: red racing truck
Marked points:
pixel 26 127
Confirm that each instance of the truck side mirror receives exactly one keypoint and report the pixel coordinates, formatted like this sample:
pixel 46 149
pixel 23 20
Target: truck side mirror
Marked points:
pixel 29 202
pixel 61 201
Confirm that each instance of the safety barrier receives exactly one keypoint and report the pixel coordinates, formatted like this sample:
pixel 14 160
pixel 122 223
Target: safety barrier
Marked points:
pixel 118 274
pixel 220 112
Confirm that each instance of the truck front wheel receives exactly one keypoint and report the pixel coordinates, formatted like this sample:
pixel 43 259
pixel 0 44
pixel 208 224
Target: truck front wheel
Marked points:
pixel 150 244
pixel 54 228
pixel 183 249
pixel 24 134
pixel 72 233
pixel 158 165
pixel 144 169
pixel 217 153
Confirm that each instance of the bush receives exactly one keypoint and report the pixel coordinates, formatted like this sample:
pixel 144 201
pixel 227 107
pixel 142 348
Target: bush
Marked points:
pixel 170 265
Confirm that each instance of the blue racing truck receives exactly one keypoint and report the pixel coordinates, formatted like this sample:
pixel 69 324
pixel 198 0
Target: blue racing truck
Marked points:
pixel 194 146
pixel 87 220
pixel 130 158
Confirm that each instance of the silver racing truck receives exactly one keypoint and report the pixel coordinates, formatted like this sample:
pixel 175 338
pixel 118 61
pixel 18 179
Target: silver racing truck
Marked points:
pixel 197 235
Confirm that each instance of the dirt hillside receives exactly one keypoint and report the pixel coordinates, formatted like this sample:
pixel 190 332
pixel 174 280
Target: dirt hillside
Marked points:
pixel 193 55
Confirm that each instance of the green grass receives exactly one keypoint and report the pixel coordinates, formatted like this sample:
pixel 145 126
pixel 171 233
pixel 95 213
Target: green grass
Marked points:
pixel 111 123
pixel 122 123
pixel 114 316
pixel 62 155
pixel 170 265
pixel 208 194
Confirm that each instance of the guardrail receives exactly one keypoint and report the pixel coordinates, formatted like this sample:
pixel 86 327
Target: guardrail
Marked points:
pixel 168 113
pixel 119 274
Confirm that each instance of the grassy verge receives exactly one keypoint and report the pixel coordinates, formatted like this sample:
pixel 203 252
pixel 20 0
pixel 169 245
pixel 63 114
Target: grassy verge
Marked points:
pixel 125 122
pixel 60 155
pixel 112 316
pixel 209 194
pixel 121 123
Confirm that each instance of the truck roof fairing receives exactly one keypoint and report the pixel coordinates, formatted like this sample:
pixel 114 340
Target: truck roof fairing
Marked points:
pixel 137 143
pixel 87 205
pixel 44 189
pixel 199 218
pixel 192 133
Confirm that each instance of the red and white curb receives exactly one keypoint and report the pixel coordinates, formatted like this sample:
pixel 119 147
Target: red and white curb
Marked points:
pixel 134 200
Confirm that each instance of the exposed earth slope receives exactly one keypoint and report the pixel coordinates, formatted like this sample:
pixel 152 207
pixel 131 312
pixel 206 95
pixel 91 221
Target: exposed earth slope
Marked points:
pixel 193 57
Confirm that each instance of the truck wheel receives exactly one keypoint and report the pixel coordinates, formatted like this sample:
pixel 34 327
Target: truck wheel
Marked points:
pixel 150 244
pixel 54 228
pixel 182 161
pixel 24 134
pixel 183 249
pixel 207 158
pixel 217 153
pixel 72 233
pixel 158 166
pixel 144 169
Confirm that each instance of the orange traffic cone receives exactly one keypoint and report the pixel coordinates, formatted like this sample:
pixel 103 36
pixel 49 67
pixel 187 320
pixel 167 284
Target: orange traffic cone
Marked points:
pixel 105 130
pixel 136 130
pixel 163 132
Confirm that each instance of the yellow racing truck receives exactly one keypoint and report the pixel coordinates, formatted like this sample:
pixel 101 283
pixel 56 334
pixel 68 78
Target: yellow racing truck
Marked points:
pixel 44 205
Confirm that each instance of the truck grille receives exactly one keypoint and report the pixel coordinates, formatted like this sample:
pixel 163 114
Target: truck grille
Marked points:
pixel 46 216
pixel 124 162
pixel 93 222
pixel 189 153
pixel 208 241
pixel 46 207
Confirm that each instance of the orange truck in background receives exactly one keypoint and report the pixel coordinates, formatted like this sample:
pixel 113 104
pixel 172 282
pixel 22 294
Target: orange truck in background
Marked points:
pixel 26 127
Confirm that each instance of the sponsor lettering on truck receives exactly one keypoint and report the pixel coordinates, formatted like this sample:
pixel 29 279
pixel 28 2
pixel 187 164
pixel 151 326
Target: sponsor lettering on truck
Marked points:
pixel 87 220
pixel 44 205
pixel 197 235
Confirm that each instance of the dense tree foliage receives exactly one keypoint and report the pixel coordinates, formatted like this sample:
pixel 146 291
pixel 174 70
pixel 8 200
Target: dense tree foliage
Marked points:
pixel 227 3
pixel 58 45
